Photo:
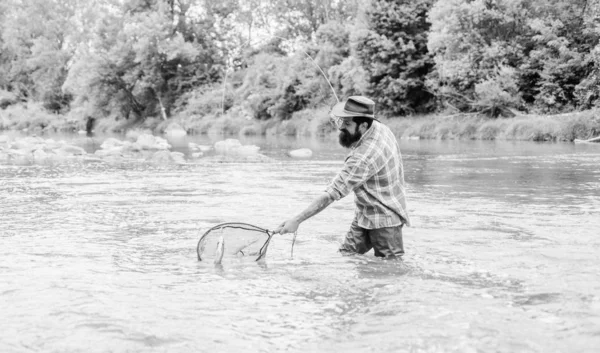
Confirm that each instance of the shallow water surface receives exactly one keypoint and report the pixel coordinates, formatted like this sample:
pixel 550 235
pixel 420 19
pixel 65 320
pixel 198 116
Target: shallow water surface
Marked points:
pixel 503 255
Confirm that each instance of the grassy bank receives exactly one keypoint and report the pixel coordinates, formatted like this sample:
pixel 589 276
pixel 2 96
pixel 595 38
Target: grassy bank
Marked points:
pixel 315 122
pixel 563 127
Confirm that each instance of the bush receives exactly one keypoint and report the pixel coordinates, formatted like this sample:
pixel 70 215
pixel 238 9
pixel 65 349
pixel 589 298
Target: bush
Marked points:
pixel 6 99
pixel 251 130
pixel 204 101
pixel 548 43
pixel 498 93
pixel 579 126
pixel 30 116
pixel 315 122
pixel 348 78
pixel 400 127
pixel 491 130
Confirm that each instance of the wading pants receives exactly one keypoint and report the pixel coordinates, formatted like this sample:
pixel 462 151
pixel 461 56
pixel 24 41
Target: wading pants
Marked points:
pixel 386 242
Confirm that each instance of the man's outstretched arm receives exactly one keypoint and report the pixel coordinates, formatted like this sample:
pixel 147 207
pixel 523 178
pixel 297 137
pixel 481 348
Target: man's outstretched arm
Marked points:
pixel 318 205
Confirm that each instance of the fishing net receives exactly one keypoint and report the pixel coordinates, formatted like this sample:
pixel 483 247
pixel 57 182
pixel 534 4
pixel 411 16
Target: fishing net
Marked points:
pixel 233 240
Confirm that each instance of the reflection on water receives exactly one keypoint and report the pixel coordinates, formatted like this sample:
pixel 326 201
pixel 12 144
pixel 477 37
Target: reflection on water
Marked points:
pixel 503 255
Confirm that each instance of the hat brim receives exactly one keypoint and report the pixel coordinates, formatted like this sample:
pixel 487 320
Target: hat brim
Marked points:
pixel 338 110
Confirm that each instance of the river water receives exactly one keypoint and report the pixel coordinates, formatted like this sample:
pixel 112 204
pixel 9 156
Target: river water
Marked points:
pixel 503 255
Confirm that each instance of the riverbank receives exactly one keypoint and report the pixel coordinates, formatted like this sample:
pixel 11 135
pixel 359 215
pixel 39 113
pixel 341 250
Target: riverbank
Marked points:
pixel 315 122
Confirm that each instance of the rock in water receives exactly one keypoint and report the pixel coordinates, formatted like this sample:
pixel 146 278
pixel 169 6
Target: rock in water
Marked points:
pixel 175 130
pixel 233 147
pixel 300 153
pixel 110 143
pixel 177 158
pixel 151 142
pixel 40 155
pixel 227 146
pixel 71 150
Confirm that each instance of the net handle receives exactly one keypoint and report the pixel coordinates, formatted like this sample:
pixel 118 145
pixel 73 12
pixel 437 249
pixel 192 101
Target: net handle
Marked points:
pixel 293 242
pixel 263 249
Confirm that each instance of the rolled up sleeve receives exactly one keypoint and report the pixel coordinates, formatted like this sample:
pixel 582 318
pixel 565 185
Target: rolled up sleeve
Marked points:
pixel 356 171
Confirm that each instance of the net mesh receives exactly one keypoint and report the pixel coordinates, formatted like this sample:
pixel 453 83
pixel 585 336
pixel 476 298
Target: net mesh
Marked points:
pixel 233 240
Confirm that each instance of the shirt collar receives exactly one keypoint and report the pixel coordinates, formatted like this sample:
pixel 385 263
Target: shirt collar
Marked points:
pixel 365 136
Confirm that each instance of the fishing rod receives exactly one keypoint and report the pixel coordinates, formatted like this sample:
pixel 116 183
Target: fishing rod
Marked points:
pixel 283 38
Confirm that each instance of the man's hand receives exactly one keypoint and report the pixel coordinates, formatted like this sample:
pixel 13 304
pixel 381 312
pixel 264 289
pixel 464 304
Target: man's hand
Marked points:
pixel 289 226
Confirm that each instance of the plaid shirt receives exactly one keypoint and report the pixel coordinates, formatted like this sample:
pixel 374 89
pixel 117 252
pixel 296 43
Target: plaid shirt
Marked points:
pixel 373 170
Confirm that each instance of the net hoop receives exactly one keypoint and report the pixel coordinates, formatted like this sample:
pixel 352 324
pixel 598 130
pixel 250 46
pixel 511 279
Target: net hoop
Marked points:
pixel 238 225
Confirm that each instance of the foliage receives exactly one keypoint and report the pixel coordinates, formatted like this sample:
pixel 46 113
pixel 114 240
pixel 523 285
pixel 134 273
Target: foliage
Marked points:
pixel 213 64
pixel 547 44
pixel 37 44
pixel 276 87
pixel 496 93
pixel 395 57
pixel 31 116
pixel 587 92
pixel 349 77
pixel 270 84
pixel 564 127
pixel 141 60
pixel 6 98
pixel 293 18
pixel 4 58
pixel 207 100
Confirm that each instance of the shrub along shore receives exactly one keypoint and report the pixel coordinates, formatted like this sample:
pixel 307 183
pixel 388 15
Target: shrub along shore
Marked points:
pixel 314 122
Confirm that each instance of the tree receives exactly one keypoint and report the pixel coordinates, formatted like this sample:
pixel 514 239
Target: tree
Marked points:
pixel 564 38
pixel 304 17
pixel 587 92
pixel 36 48
pixel 293 18
pixel 394 55
pixel 533 53
pixel 146 55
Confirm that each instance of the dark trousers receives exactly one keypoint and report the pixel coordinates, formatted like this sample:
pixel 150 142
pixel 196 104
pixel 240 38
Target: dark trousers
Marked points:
pixel 386 242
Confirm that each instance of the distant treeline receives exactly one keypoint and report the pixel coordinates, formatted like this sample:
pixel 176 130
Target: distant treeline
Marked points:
pixel 135 59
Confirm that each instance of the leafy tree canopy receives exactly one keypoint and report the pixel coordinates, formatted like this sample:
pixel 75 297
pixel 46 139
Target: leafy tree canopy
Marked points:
pixel 394 54
pixel 143 56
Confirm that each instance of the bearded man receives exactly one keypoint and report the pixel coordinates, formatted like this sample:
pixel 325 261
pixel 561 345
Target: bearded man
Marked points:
pixel 373 171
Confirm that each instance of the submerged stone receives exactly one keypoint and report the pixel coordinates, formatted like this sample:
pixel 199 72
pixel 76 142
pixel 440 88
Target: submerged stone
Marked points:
pixel 110 143
pixel 166 157
pixel 233 147
pixel 40 155
pixel 178 158
pixel 133 135
pixel 151 142
pixel 196 147
pixel 256 158
pixel 300 153
pixel 71 150
pixel 175 130
pixel 114 151
pixel 227 146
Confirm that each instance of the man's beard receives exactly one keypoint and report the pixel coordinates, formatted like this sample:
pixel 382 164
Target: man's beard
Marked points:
pixel 347 139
